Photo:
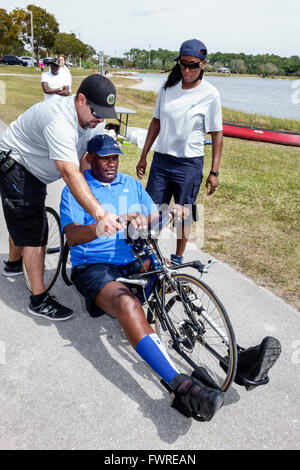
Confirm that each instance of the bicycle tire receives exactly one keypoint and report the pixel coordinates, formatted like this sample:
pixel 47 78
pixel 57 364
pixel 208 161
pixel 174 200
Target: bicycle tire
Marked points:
pixel 53 251
pixel 66 265
pixel 204 349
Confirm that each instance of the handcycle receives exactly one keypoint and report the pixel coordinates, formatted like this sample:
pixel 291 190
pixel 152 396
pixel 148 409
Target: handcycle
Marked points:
pixel 190 320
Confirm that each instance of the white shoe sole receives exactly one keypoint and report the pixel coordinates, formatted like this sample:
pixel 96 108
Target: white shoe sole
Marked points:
pixel 11 274
pixel 45 316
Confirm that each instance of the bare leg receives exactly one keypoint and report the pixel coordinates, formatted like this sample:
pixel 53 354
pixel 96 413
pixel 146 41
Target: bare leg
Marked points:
pixel 116 299
pixel 183 235
pixel 14 251
pixel 33 258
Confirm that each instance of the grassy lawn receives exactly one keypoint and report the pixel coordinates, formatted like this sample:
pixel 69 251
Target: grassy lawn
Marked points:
pixel 252 221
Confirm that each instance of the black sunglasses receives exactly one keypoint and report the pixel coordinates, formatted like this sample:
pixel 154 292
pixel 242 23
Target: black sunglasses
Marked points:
pixel 190 65
pixel 93 111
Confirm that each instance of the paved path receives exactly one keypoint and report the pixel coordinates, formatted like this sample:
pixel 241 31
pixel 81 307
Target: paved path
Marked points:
pixel 79 385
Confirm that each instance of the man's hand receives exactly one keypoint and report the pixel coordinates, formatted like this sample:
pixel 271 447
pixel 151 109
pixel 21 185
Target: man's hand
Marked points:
pixel 211 184
pixel 141 168
pixel 179 212
pixel 137 220
pixel 108 225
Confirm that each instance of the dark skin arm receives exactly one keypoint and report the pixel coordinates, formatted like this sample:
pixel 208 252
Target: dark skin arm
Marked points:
pixel 217 146
pixel 64 91
pixel 78 234
pixel 153 132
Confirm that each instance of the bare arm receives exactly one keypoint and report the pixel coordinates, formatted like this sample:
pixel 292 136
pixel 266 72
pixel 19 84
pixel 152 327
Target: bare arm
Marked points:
pixel 50 91
pixel 217 147
pixel 77 234
pixel 152 134
pixel 107 222
pixel 65 91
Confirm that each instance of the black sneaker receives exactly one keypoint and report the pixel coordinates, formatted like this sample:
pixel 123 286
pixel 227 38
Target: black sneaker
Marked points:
pixel 12 271
pixel 50 309
pixel 193 399
pixel 254 363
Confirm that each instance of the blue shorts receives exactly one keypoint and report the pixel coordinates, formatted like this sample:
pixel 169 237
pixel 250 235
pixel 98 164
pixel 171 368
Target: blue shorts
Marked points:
pixel 90 279
pixel 175 177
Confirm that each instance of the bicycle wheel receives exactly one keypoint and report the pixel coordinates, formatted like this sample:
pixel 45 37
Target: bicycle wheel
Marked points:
pixel 199 328
pixel 66 265
pixel 53 251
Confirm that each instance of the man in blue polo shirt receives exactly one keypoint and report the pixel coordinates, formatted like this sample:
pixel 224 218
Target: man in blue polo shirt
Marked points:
pixel 97 261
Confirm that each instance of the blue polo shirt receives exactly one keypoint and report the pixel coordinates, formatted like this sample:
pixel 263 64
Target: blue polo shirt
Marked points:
pixel 125 194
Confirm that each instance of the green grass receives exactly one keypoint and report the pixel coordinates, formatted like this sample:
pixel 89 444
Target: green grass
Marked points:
pixel 20 70
pixel 252 221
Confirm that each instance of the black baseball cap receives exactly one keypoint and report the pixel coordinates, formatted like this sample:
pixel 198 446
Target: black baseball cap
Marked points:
pixel 53 61
pixel 101 94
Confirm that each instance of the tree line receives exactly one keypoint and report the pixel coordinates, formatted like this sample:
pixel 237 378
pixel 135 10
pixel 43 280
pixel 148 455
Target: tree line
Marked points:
pixel 15 35
pixel 261 64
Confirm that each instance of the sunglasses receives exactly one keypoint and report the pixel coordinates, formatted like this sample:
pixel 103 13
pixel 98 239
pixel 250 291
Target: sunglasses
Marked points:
pixel 190 65
pixel 93 111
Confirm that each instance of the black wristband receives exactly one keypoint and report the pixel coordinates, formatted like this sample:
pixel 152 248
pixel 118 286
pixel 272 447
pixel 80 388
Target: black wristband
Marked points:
pixel 215 173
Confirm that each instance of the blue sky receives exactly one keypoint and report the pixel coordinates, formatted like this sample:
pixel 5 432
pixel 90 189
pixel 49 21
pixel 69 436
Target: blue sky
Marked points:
pixel 258 26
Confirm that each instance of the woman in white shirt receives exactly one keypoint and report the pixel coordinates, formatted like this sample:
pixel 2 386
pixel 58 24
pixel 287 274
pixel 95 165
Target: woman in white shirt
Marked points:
pixel 65 70
pixel 187 108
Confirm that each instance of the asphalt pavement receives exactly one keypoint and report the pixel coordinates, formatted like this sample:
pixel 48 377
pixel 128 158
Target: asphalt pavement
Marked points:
pixel 79 385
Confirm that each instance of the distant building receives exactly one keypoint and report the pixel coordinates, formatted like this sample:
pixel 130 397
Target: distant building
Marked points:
pixel 224 70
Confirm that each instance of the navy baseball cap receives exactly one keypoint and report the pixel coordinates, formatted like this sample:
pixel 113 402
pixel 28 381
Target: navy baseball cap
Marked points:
pixel 194 48
pixel 104 145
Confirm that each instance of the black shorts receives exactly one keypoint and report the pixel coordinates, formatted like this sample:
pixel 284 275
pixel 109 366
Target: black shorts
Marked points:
pixel 175 177
pixel 23 200
pixel 90 279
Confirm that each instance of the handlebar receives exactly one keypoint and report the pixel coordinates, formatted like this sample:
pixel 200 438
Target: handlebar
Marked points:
pixel 152 231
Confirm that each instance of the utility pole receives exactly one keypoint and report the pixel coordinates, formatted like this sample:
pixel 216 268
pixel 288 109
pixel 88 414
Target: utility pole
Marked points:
pixel 101 61
pixel 32 52
pixel 149 55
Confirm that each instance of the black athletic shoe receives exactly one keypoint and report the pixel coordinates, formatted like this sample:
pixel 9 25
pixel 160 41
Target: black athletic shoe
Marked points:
pixel 10 271
pixel 254 363
pixel 50 309
pixel 193 399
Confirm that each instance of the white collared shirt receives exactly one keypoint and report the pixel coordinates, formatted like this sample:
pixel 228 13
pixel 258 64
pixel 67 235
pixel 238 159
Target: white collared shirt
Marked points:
pixel 46 132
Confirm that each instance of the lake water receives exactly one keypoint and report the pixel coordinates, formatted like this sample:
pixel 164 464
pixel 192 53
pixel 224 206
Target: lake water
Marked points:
pixel 268 96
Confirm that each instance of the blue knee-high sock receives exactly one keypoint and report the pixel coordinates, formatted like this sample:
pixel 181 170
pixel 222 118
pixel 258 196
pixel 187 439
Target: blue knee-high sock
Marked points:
pixel 153 352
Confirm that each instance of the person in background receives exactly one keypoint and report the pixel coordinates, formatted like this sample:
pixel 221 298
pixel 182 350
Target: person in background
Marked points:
pixel 54 82
pixel 187 108
pixel 42 66
pixel 64 69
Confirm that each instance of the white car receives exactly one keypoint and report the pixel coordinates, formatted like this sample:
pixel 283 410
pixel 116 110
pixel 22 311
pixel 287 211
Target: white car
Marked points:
pixel 29 61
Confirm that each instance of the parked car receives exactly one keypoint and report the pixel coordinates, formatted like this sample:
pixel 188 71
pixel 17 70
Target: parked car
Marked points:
pixel 47 60
pixel 13 60
pixel 29 61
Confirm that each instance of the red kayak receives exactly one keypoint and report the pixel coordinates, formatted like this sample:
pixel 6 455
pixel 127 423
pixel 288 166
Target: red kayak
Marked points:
pixel 262 135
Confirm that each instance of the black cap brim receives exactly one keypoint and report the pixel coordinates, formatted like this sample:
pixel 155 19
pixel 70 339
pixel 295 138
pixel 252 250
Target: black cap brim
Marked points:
pixel 104 111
